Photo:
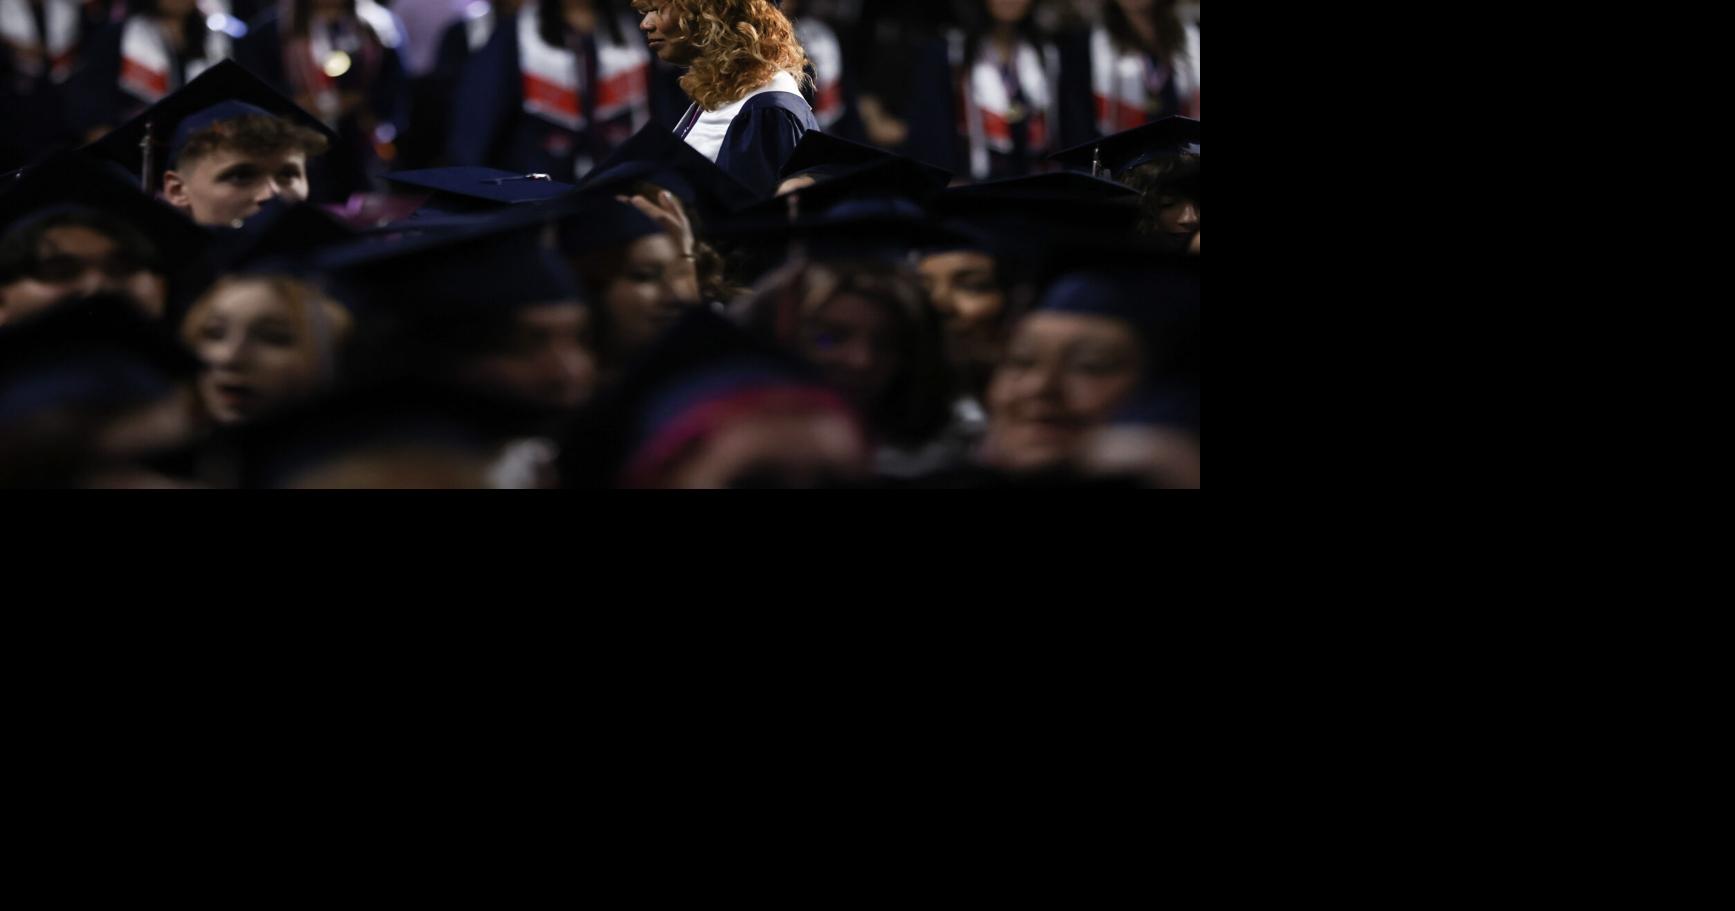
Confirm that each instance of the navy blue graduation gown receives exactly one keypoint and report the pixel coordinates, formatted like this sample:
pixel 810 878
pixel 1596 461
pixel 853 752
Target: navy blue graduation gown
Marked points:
pixel 762 137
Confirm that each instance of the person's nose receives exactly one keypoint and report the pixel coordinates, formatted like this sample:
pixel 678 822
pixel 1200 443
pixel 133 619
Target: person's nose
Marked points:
pixel 91 281
pixel 1190 216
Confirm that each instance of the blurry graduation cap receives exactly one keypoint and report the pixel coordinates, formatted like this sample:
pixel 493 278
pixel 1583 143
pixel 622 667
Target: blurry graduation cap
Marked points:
pixel 90 354
pixel 1027 215
pixel 414 432
pixel 597 221
pixel 655 155
pixel 1169 137
pixel 1156 294
pixel 148 144
pixel 863 227
pixel 892 177
pixel 824 156
pixel 461 190
pixel 71 179
pixel 487 266
pixel 705 369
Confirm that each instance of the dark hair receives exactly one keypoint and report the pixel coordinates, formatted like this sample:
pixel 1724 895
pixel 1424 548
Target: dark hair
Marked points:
pixel 252 135
pixel 917 403
pixel 20 246
pixel 1171 35
pixel 551 21
pixel 300 15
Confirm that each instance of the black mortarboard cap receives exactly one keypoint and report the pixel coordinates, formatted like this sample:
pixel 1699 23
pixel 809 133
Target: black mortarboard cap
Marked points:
pixel 96 352
pixel 865 227
pixel 890 177
pixel 655 155
pixel 597 221
pixel 1166 138
pixel 1031 213
pixel 70 178
pixel 469 189
pixel 225 91
pixel 829 156
pixel 492 265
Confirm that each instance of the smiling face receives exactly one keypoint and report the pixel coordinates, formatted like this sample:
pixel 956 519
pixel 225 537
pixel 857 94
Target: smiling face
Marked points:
pixel 644 296
pixel 228 185
pixel 1064 374
pixel 663 33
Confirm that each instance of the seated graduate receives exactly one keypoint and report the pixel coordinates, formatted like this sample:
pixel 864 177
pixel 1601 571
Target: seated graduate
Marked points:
pixel 745 75
pixel 220 147
pixel 488 312
pixel 634 277
pixel 1106 332
pixel 555 90
pixel 683 191
pixel 266 334
pixel 711 407
pixel 1161 161
pixel 160 46
pixel 92 393
pixel 69 226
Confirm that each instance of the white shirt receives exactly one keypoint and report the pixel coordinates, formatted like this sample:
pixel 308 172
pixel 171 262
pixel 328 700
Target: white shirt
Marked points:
pixel 707 134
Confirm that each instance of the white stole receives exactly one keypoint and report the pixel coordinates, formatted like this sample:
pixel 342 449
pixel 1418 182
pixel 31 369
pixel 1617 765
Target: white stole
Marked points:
pixel 551 77
pixel 18 28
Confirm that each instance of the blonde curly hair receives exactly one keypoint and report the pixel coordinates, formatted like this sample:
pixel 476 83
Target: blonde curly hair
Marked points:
pixel 741 45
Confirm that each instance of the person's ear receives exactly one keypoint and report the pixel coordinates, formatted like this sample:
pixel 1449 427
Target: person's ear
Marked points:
pixel 175 191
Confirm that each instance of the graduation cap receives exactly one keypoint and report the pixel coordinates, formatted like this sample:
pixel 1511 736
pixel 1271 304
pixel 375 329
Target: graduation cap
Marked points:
pixel 1027 215
pixel 71 179
pixel 655 155
pixel 462 190
pixel 598 221
pixel 148 144
pixel 278 236
pixel 864 227
pixel 482 267
pixel 422 434
pixel 1169 137
pixel 89 354
pixel 826 156
pixel 1157 295
pixel 704 371
pixel 888 177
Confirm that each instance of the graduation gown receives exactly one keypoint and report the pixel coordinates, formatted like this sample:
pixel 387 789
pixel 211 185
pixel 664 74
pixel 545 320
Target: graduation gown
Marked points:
pixel 130 67
pixel 376 72
pixel 508 114
pixel 752 138
pixel 974 124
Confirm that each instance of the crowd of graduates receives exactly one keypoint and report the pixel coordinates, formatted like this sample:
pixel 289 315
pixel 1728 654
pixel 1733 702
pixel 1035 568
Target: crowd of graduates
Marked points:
pixel 599 244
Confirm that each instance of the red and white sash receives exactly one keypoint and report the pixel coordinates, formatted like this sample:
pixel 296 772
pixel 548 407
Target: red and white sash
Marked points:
pixel 145 70
pixel 18 29
pixel 551 77
pixel 987 109
pixel 1118 82
pixel 823 49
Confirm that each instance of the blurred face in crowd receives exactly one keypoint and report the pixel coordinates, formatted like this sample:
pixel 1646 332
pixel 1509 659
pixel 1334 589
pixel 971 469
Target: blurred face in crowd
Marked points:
pixel 1063 375
pixel 773 448
pixel 76 260
pixel 227 186
pixel 544 358
pixel 1135 8
pixel 1008 11
pixel 646 295
pixel 666 41
pixel 259 352
pixel 963 287
pixel 853 341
